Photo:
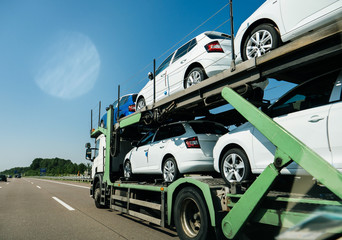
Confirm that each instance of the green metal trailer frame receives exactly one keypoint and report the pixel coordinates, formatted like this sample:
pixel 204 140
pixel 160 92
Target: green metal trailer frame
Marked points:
pixel 247 208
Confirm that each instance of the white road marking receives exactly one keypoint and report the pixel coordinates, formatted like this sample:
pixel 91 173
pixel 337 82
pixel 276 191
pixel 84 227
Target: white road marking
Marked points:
pixel 74 185
pixel 38 187
pixel 63 204
pixel 0 187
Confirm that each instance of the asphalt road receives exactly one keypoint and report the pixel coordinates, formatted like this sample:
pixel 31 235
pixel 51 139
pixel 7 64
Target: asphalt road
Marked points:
pixel 43 209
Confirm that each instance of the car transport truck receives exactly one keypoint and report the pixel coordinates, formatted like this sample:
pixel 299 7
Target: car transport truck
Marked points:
pixel 204 207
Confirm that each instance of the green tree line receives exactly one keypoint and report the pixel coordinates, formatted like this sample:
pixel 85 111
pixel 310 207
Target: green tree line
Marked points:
pixel 52 167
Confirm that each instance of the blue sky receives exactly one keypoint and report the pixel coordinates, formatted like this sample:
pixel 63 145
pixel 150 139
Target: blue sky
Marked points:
pixel 60 58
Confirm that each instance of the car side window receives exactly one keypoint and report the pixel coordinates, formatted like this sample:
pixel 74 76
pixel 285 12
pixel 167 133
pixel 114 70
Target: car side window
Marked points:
pixel 164 64
pixel 170 131
pixel 184 49
pixel 309 95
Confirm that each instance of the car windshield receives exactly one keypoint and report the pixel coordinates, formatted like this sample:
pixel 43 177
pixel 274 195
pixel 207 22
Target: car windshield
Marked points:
pixel 308 95
pixel 165 64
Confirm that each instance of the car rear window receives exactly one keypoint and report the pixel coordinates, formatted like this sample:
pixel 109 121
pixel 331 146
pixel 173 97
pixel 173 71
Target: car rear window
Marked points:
pixel 208 128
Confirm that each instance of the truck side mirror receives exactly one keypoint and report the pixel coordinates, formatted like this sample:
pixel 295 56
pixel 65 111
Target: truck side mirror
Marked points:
pixel 150 76
pixel 88 152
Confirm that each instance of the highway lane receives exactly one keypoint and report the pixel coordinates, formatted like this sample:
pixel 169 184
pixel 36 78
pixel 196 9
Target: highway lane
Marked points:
pixel 42 209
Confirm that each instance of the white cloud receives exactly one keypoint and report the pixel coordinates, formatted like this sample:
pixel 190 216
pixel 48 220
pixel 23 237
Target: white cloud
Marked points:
pixel 69 67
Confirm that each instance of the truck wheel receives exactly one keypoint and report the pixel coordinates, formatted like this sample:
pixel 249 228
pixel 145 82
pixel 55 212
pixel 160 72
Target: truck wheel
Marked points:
pixel 97 195
pixel 262 39
pixel 191 215
pixel 196 75
pixel 127 170
pixel 170 170
pixel 235 166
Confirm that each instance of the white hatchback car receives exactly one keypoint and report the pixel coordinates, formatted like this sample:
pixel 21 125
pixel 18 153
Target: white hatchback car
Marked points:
pixel 174 149
pixel 277 21
pixel 312 112
pixel 204 56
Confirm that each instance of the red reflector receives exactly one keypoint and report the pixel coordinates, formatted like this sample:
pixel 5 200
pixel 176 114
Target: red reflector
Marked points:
pixel 192 143
pixel 213 47
pixel 131 108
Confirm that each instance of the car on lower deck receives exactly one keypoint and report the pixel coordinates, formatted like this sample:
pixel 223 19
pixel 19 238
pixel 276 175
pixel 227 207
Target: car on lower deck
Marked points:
pixel 175 149
pixel 311 112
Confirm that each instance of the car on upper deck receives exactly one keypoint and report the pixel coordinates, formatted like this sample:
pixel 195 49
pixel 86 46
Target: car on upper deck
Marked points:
pixel 126 107
pixel 312 112
pixel 278 21
pixel 203 56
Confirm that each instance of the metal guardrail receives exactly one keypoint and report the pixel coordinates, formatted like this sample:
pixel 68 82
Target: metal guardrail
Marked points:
pixel 69 178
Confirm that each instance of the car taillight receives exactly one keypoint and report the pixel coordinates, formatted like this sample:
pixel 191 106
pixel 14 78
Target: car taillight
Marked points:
pixel 131 108
pixel 213 47
pixel 192 142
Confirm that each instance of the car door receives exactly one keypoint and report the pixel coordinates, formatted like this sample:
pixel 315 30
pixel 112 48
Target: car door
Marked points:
pixel 157 148
pixel 161 79
pixel 140 154
pixel 176 71
pixel 297 14
pixel 304 113
pixel 334 124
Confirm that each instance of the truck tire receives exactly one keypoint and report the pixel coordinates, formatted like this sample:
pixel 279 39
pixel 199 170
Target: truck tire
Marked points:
pixel 191 215
pixel 97 195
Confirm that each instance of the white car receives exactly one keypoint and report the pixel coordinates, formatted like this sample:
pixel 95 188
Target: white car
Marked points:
pixel 204 56
pixel 279 21
pixel 312 112
pixel 174 149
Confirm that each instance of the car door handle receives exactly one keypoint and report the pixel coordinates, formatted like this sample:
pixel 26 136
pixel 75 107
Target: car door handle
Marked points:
pixel 161 147
pixel 183 61
pixel 315 119
pixel 145 150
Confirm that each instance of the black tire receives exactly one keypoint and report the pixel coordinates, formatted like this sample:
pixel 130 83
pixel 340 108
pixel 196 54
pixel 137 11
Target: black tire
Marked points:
pixel 127 170
pixel 268 39
pixel 97 195
pixel 191 216
pixel 170 170
pixel 140 103
pixel 235 166
pixel 196 75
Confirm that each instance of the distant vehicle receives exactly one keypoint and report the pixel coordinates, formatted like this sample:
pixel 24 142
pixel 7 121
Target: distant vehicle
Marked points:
pixel 312 112
pixel 279 21
pixel 3 178
pixel 204 56
pixel 175 149
pixel 126 107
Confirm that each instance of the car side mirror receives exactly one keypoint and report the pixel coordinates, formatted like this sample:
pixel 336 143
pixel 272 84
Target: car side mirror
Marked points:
pixel 150 76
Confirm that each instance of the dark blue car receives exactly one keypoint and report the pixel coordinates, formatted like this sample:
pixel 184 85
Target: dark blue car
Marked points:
pixel 126 107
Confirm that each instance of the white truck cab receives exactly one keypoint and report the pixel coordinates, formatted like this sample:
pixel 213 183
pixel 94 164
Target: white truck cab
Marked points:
pixel 98 158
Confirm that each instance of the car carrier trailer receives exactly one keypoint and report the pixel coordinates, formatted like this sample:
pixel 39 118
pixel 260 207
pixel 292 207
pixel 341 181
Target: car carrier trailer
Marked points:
pixel 200 206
